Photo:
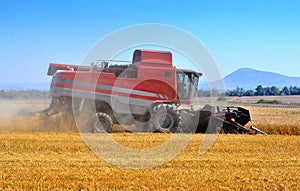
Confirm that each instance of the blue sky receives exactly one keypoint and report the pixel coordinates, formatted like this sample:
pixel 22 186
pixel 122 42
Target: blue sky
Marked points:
pixel 263 35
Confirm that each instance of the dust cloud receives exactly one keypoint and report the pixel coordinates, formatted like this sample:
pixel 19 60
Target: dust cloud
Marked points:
pixel 26 116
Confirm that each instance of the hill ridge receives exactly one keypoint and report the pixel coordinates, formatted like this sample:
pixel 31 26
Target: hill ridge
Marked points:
pixel 249 78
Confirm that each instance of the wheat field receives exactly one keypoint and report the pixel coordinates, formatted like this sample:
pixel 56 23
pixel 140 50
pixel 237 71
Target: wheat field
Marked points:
pixel 60 161
pixel 276 120
pixel 49 154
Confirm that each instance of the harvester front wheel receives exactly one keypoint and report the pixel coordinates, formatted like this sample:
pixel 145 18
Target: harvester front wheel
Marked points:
pixel 166 118
pixel 101 122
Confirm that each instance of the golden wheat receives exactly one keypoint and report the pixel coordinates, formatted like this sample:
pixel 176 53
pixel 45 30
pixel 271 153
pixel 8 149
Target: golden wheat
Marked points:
pixel 235 162
pixel 60 161
pixel 276 120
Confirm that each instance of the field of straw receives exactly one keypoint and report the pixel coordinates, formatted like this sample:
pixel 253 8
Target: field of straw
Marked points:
pixel 276 120
pixel 49 154
pixel 235 162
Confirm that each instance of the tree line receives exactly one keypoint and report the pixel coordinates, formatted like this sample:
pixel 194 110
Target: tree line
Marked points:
pixel 259 91
pixel 24 94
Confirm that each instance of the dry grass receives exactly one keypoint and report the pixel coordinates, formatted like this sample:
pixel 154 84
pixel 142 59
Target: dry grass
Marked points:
pixel 288 100
pixel 236 162
pixel 31 159
pixel 246 100
pixel 275 120
pixel 16 116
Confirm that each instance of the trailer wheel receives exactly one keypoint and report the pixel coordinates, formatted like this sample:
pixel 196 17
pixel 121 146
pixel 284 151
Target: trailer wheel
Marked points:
pixel 166 118
pixel 101 122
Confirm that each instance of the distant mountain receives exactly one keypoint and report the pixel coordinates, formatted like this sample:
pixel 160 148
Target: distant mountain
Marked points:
pixel 24 86
pixel 248 78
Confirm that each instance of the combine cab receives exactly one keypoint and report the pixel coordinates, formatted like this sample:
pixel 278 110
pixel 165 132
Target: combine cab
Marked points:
pixel 147 92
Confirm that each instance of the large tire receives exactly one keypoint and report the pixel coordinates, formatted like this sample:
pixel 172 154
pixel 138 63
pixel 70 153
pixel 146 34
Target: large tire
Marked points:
pixel 101 122
pixel 166 118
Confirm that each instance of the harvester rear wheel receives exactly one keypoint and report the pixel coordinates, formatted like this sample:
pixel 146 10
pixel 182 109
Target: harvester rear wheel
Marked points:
pixel 101 122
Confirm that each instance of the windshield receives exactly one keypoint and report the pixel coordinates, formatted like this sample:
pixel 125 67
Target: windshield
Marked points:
pixel 187 83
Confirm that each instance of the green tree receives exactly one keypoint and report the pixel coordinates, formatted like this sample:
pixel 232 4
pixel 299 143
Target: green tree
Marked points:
pixel 259 90
pixel 285 91
pixel 273 91
pixel 293 90
pixel 249 93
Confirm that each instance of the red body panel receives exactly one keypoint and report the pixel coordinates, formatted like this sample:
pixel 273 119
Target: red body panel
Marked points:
pixel 151 77
pixel 156 56
pixel 148 79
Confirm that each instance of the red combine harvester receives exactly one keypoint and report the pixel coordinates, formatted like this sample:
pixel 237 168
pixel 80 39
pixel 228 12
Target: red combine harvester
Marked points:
pixel 148 93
